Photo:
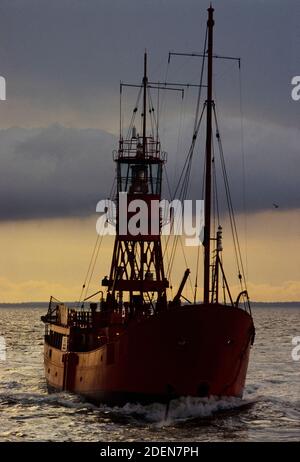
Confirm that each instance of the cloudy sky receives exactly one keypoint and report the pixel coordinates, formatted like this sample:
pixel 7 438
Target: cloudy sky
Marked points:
pixel 63 61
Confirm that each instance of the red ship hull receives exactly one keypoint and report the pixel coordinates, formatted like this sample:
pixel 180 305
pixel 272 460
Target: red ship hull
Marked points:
pixel 193 350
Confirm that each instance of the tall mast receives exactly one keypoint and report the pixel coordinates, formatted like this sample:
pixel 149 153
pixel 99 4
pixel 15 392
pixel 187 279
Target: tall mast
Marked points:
pixel 209 104
pixel 145 82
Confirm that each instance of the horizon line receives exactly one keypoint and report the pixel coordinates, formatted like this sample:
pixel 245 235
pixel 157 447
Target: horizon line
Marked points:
pixel 197 302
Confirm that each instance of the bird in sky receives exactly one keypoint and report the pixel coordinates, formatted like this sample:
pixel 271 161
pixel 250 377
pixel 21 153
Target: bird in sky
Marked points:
pixel 276 206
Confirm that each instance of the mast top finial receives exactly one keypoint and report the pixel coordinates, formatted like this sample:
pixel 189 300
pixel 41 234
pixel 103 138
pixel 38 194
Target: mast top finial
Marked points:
pixel 145 66
pixel 210 21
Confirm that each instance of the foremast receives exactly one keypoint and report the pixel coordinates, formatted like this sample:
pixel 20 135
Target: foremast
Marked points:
pixel 137 271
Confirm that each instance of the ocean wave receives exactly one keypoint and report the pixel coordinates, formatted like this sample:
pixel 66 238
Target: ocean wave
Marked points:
pixel 179 410
pixel 56 399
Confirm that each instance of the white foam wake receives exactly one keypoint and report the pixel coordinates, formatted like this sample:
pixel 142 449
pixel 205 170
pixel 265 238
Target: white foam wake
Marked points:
pixel 180 409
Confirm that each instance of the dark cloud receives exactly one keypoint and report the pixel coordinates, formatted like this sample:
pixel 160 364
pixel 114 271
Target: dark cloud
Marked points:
pixel 58 171
pixel 69 55
pixel 63 61
pixel 262 163
pixel 54 171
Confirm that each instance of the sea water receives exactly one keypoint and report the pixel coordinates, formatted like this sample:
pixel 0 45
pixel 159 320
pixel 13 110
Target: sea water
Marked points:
pixel 269 410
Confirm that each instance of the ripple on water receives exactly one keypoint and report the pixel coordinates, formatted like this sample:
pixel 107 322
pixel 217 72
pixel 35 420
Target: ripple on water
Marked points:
pixel 269 411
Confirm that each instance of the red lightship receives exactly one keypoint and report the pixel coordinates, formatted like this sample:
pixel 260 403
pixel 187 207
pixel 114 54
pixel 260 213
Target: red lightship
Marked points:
pixel 136 345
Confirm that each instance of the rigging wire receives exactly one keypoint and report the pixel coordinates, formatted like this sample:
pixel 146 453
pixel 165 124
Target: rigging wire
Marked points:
pixel 215 191
pixel 241 272
pixel 88 271
pixel 162 108
pixel 196 278
pixel 185 173
pixel 199 247
pixel 151 112
pixel 93 259
pixel 158 109
pixel 183 184
pixel 93 266
pixel 243 170
pixel 134 113
pixel 153 117
pixel 99 239
pixel 200 82
pixel 183 104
